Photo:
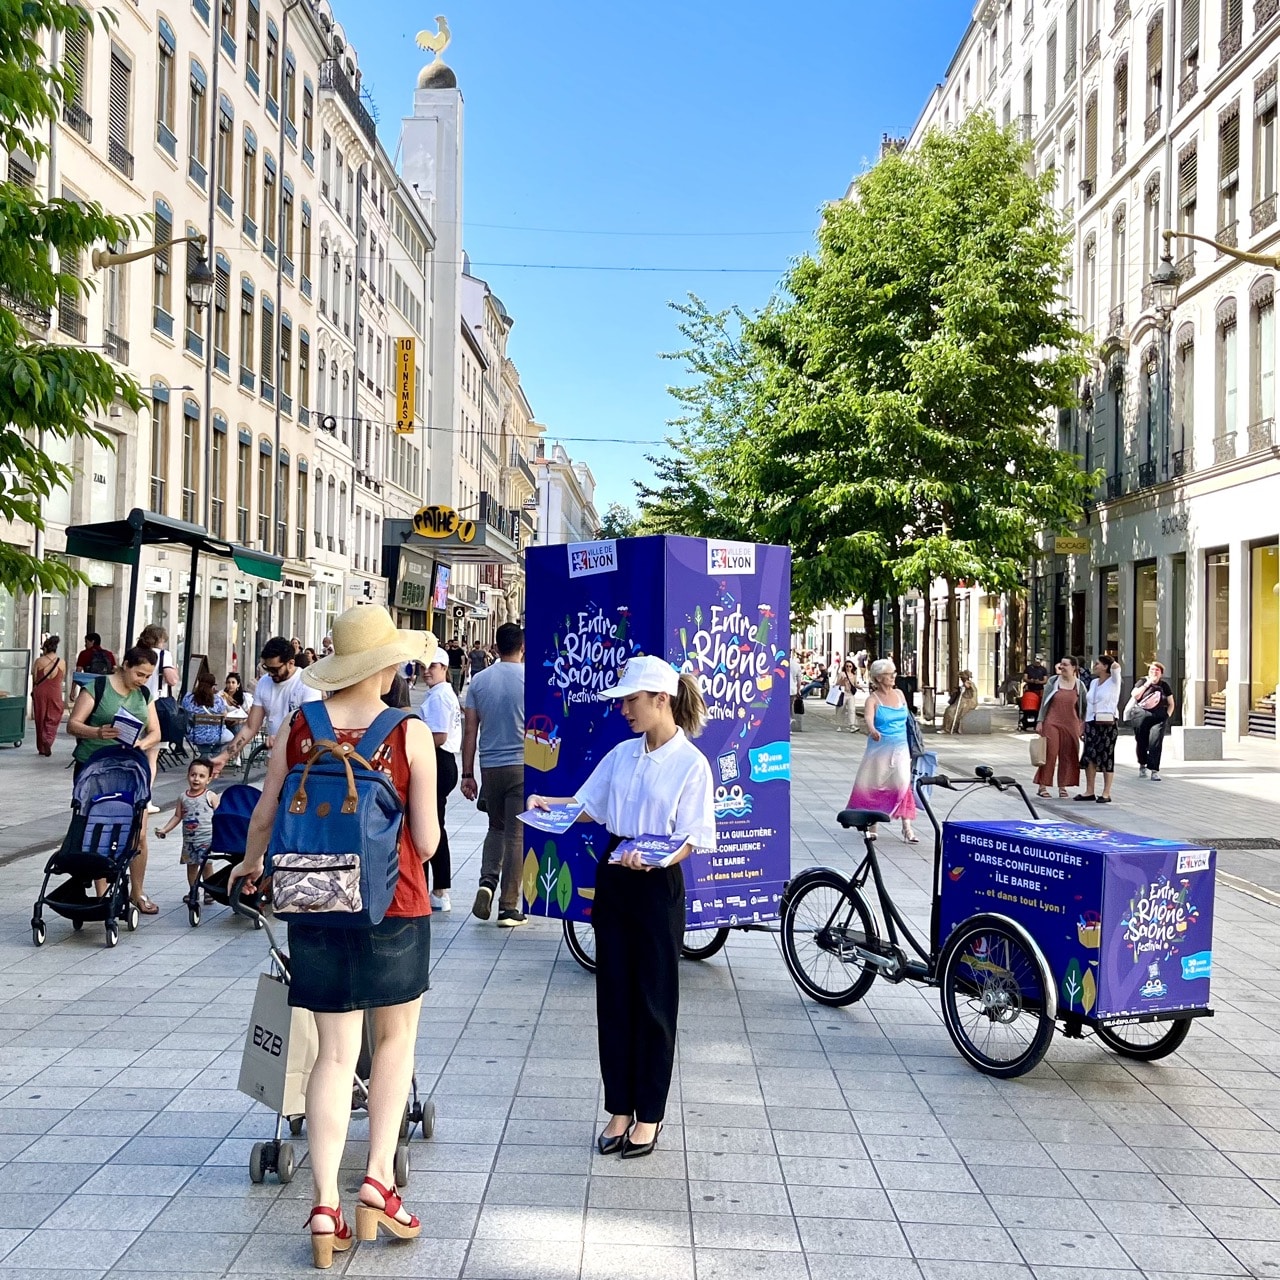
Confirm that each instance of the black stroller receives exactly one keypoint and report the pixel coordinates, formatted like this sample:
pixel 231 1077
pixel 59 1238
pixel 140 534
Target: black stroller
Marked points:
pixel 109 805
pixel 230 831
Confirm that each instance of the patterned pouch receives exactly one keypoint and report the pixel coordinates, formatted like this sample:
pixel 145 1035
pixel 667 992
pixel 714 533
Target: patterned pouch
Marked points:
pixel 303 883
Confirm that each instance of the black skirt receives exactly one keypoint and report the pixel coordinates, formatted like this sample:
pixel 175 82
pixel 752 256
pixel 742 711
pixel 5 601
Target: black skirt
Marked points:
pixel 1100 746
pixel 337 970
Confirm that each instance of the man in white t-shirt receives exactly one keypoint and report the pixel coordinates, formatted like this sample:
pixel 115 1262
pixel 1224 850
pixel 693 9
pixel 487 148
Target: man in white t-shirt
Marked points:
pixel 279 693
pixel 443 716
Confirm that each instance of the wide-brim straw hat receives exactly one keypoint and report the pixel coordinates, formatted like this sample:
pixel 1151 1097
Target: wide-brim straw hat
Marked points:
pixel 366 641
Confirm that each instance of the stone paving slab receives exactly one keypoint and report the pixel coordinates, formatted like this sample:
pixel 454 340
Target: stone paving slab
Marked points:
pixel 801 1141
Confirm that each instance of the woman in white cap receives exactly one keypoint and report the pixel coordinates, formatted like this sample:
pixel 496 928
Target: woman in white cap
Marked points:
pixel 338 974
pixel 655 784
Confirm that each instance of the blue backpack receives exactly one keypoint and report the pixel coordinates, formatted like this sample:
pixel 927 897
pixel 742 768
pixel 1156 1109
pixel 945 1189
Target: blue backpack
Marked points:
pixel 334 857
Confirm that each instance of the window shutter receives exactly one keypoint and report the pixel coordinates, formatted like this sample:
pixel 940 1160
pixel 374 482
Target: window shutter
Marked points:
pixel 1071 36
pixel 1190 28
pixel 1232 15
pixel 75 59
pixel 1187 180
pixel 268 343
pixel 1091 139
pixel 121 74
pixel 1051 70
pixel 1122 94
pixel 1155 45
pixel 164 233
pixel 1229 152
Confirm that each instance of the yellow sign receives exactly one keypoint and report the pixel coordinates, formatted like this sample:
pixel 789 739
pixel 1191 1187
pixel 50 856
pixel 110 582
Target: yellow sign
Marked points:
pixel 1072 546
pixel 406 366
pixel 443 522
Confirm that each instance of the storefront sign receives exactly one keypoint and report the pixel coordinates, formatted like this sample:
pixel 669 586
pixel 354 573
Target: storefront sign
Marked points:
pixel 439 522
pixel 587 616
pixel 1179 523
pixel 1072 546
pixel 406 375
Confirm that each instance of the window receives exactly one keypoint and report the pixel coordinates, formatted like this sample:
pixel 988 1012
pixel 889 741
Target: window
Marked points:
pixel 198 128
pixel 115 309
pixel 75 64
pixel 249 181
pixel 281 498
pixel 120 113
pixel 1184 397
pixel 286 356
pixel 1227 375
pixel 242 488
pixel 269 207
pixel 286 217
pixel 159 446
pixel 221 314
pixel 1187 193
pixel 1092 18
pixel 222 163
pixel 1069 171
pixel 194 317
pixel 302 509
pixel 267 370
pixel 1051 70
pixel 1152 239
pixel 218 477
pixel 1155 73
pixel 1089 178
pixel 1232 28
pixel 252 36
pixel 273 70
pixel 1262 386
pixel 326 160
pixel 290 88
pixel 1120 134
pixel 331 520
pixel 166 90
pixel 161 277
pixel 246 335
pixel 190 459
pixel 264 493
pixel 304 376
pixel 304 250
pixel 1228 172
pixel 318 515
pixel 1190 29
pixel 308 123
pixel 1264 152
pixel 1091 284
pixel 1070 44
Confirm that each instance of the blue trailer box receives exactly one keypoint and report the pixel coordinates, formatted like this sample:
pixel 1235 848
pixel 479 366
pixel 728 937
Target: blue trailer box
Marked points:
pixel 1125 922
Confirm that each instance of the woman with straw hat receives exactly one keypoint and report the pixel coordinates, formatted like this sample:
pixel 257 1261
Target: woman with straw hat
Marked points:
pixel 338 974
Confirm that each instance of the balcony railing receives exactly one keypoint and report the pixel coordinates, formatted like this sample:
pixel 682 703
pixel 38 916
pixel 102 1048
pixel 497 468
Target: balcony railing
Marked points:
pixel 305 286
pixel 1262 435
pixel 79 119
pixel 1092 48
pixel 228 44
pixel 29 312
pixel 162 321
pixel 217 517
pixel 1224 447
pixel 242 524
pixel 1115 320
pixel 267 391
pixel 221 362
pixel 198 173
pixel 1152 125
pixel 1187 87
pixel 269 248
pixel 226 204
pixel 189 505
pixel 1230 44
pixel 992 77
pixel 300 546
pixel 1264 11
pixel 333 78
pixel 167 140
pixel 247 380
pixel 195 343
pixel 72 322
pixel 1181 462
pixel 249 228
pixel 119 157
pixel 264 530
pixel 1229 235
pixel 1006 59
pixel 1115 487
pixel 1118 157
pixel 1121 13
pixel 308 156
pixel 1263 214
pixel 116 347
pixel 1186 266
pixel 157 494
pixel 1146 474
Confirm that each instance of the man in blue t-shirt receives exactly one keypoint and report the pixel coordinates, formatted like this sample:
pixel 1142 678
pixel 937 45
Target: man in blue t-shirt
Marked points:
pixel 494 712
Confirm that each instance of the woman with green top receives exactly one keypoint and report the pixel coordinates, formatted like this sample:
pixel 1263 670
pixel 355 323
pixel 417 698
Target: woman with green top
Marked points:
pixel 92 724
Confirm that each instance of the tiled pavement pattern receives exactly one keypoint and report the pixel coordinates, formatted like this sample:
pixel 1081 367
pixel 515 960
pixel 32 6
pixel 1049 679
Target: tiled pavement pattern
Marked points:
pixel 803 1142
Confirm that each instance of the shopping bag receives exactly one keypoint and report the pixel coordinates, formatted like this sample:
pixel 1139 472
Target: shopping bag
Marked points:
pixel 835 698
pixel 280 1049
pixel 541 744
pixel 1039 750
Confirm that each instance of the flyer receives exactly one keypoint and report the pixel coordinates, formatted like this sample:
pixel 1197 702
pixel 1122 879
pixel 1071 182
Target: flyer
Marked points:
pixel 556 818
pixel 129 725
pixel 654 851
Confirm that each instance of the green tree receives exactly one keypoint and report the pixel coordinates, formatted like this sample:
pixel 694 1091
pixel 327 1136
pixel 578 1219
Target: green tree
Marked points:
pixel 46 390
pixel 911 374
pixel 619 521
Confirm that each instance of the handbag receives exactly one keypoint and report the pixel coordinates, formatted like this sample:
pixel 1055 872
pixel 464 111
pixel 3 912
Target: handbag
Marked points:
pixel 1039 751
pixel 835 698
pixel 915 738
pixel 280 1048
pixel 797 705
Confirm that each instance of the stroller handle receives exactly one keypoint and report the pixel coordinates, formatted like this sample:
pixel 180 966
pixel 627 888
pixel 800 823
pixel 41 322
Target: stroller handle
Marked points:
pixel 260 921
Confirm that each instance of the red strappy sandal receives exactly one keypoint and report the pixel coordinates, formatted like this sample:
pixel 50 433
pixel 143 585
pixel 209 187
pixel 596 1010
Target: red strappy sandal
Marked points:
pixel 369 1217
pixel 324 1244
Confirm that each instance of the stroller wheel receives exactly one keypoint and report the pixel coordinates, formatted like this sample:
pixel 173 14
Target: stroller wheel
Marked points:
pixel 256 1173
pixel 286 1164
pixel 428 1119
pixel 193 914
pixel 295 1125
pixel 132 916
pixel 401 1165
pixel 77 925
pixel 37 933
pixel 113 933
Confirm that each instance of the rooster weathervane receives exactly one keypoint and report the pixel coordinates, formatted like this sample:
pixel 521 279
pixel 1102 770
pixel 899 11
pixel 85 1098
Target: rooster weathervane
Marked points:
pixel 436 41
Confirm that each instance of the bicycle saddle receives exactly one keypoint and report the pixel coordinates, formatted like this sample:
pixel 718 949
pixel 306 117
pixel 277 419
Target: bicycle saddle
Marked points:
pixel 861 818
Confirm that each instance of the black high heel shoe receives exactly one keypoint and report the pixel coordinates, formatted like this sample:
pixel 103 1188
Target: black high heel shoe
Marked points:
pixel 634 1150
pixel 607 1146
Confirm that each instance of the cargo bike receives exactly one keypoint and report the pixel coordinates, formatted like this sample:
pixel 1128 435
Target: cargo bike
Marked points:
pixel 1033 925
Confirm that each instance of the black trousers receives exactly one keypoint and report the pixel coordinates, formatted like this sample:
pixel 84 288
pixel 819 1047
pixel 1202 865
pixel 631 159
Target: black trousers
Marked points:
pixel 639 923
pixel 1149 732
pixel 446 780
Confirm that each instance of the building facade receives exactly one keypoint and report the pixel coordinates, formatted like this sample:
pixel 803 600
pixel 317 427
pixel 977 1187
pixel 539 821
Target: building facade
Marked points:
pixel 566 498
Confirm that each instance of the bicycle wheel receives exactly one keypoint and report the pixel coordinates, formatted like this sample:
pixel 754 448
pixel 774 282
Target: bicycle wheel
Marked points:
pixel 702 944
pixel 580 938
pixel 824 918
pixel 255 763
pixel 1145 1041
pixel 994 988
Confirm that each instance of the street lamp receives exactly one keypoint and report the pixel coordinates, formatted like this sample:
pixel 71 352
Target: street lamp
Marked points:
pixel 199 274
pixel 1164 288
pixel 1164 285
pixel 1240 255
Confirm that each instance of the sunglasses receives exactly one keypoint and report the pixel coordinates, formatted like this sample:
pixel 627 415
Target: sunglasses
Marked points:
pixel 278 673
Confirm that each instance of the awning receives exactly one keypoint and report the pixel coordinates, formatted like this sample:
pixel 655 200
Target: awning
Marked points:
pixel 119 541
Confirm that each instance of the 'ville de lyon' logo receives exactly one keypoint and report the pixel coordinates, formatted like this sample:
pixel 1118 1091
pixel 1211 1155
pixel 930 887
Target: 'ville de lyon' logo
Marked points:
pixel 731 557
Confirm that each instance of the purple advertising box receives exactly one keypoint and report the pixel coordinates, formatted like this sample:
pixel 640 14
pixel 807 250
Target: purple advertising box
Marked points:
pixel 720 610
pixel 1125 922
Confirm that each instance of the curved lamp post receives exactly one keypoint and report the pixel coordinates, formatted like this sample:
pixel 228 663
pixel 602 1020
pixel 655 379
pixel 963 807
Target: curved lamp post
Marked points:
pixel 199 276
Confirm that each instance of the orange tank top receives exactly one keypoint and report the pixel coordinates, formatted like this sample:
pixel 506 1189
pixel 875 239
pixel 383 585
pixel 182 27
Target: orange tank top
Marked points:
pixel 411 897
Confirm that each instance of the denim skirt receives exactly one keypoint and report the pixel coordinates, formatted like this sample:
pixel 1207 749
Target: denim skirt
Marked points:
pixel 337 970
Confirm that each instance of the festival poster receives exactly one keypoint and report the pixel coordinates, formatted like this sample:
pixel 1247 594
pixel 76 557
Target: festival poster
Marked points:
pixel 718 610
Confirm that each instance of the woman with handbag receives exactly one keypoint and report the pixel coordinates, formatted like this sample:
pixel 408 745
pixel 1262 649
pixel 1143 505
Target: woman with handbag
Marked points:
pixel 883 781
pixel 1150 707
pixel 847 683
pixel 1101 724
pixel 1060 725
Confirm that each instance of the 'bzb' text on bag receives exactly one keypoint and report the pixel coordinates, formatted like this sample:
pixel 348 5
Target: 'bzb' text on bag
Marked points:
pixel 335 847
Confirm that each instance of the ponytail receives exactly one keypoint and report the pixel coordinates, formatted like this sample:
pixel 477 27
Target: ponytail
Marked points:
pixel 688 707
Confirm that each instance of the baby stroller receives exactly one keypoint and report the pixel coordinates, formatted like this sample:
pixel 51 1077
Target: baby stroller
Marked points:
pixel 230 831
pixel 1028 710
pixel 109 805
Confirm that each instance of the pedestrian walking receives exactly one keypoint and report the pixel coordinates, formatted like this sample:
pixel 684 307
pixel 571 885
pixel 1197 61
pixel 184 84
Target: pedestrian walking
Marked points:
pixel 194 814
pixel 457 668
pixel 443 716
pixel 1060 722
pixel 883 781
pixel 1150 707
pixel 654 784
pixel 340 973
pixel 47 700
pixel 93 724
pixel 847 683
pixel 478 659
pixel 1101 725
pixel 93 659
pixel 280 692
pixel 493 716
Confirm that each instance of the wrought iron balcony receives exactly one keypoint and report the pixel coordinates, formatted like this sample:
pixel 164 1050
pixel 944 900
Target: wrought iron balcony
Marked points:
pixel 1092 48
pixel 1121 13
pixel 1263 214
pixel 1152 125
pixel 116 347
pixel 333 78
pixel 1230 44
pixel 1187 87
pixel 72 322
pixel 1115 320
pixel 119 157
pixel 1115 487
pixel 1118 157
pixel 1146 475
pixel 1224 447
pixel 79 119
pixel 1186 266
pixel 1181 462
pixel 1264 11
pixel 1228 235
pixel 1262 435
pixel 30 313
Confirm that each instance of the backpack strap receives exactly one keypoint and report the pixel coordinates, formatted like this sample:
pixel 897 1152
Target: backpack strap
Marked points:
pixel 99 688
pixel 381 729
pixel 317 717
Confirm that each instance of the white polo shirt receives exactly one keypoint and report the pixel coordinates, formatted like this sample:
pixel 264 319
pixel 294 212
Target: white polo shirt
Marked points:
pixel 667 792
pixel 442 714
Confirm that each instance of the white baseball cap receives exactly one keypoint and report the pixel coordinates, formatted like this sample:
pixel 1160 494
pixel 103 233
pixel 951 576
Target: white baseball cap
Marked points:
pixel 645 674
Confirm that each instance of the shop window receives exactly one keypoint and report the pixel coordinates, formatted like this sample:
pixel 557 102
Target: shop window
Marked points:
pixel 1144 616
pixel 1264 638
pixel 1217 635
pixel 1109 611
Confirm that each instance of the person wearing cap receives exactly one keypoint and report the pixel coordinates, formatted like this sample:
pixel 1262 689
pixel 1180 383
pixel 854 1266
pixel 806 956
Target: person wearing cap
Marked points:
pixel 654 784
pixel 443 716
pixel 338 974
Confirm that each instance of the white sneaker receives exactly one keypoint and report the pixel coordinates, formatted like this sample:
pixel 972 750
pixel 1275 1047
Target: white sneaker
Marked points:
pixel 1142 772
pixel 441 901
pixel 1155 776
pixel 153 808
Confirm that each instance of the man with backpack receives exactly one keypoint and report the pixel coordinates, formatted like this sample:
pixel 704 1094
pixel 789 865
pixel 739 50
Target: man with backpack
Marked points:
pixel 93 659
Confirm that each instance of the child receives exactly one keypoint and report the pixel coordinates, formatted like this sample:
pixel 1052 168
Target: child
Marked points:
pixel 194 811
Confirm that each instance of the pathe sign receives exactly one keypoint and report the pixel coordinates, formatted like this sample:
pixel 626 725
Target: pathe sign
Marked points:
pixel 439 522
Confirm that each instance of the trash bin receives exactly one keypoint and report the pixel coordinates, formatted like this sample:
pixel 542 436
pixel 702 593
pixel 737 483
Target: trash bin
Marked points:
pixel 909 685
pixel 15 677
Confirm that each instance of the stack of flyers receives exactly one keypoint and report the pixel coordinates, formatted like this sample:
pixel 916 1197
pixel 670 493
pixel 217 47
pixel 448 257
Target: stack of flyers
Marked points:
pixel 654 851
pixel 129 725
pixel 556 819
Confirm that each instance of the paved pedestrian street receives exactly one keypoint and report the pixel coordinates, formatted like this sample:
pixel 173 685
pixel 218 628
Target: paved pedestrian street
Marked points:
pixel 801 1141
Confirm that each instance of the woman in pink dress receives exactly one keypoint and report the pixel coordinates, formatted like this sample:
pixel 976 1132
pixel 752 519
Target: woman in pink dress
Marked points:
pixel 883 782
pixel 47 700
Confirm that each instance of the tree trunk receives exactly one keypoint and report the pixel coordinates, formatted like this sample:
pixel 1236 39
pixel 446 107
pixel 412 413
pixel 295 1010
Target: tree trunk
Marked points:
pixel 953 637
pixel 1017 636
pixel 926 635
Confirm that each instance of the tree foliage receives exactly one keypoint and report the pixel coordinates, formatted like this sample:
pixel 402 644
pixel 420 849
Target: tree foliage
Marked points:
pixel 619 521
pixel 44 388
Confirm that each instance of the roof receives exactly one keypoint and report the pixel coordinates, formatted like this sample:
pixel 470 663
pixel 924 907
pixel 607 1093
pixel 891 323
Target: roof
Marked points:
pixel 118 541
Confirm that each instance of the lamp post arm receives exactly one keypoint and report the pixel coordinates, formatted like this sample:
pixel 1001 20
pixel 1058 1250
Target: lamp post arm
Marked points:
pixel 1258 259
pixel 106 258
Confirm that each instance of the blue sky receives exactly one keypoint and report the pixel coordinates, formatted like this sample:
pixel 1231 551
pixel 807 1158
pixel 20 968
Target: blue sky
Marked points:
pixel 675 130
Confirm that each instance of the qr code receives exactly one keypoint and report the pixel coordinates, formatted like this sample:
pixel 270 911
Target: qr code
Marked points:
pixel 728 765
